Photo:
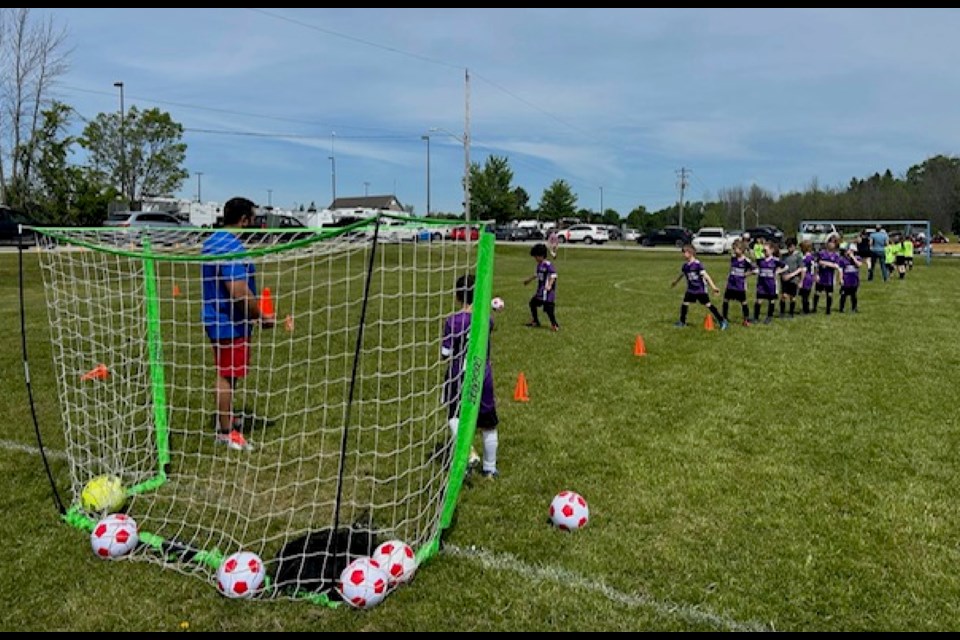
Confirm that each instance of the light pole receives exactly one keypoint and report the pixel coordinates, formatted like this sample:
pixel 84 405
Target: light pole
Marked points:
pixel 601 204
pixel 466 169
pixel 123 146
pixel 427 138
pixel 333 167
pixel 269 198
pixel 366 188
pixel 199 175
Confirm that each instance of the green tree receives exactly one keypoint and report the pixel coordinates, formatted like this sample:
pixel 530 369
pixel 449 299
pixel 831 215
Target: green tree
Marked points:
pixel 151 157
pixel 58 192
pixel 523 202
pixel 713 215
pixel 639 218
pixel 491 194
pixel 611 216
pixel 558 201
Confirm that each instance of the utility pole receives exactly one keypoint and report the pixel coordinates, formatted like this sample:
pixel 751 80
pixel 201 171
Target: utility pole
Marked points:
pixel 366 188
pixel 684 172
pixel 466 149
pixel 199 175
pixel 601 204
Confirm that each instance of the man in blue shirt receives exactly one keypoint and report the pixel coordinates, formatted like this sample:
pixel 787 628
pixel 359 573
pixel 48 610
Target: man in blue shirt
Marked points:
pixel 878 248
pixel 230 305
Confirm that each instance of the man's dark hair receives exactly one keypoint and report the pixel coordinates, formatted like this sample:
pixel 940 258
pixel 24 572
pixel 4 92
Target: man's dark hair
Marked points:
pixel 538 250
pixel 465 289
pixel 791 242
pixel 236 209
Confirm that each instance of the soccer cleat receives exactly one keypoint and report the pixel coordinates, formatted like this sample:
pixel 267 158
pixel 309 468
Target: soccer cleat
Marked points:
pixel 234 440
pixel 747 323
pixel 490 475
pixel 474 460
pixel 767 320
pixel 554 327
pixel 532 324
pixel 723 325
pixel 679 324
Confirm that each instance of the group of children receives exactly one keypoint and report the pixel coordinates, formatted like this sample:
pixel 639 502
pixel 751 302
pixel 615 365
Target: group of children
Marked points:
pixel 800 272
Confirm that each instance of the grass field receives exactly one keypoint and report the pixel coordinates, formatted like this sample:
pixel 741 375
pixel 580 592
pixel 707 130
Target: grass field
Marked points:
pixel 799 476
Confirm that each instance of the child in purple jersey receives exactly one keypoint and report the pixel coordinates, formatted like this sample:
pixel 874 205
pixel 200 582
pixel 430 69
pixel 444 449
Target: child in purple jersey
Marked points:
pixel 849 277
pixel 456 334
pixel 768 268
pixel 546 295
pixel 736 290
pixel 827 269
pixel 790 278
pixel 697 281
pixel 809 265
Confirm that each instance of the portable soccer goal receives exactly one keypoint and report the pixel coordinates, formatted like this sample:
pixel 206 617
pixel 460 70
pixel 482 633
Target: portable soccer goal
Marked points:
pixel 342 401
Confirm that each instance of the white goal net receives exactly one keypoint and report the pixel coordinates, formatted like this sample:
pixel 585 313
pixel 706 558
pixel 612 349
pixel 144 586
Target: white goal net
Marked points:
pixel 340 406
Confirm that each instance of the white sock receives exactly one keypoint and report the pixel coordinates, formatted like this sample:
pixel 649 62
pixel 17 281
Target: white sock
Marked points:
pixel 490 442
pixel 454 426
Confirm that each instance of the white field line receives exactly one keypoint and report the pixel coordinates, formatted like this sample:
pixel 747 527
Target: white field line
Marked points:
pixel 11 445
pixel 541 573
pixel 557 575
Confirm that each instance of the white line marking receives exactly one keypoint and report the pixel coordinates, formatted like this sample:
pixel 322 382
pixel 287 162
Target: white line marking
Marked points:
pixel 12 445
pixel 540 573
pixel 508 562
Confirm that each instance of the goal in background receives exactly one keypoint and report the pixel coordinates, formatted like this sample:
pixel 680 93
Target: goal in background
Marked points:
pixel 343 399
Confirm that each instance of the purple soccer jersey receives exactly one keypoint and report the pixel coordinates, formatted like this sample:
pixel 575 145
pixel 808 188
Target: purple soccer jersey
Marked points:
pixel 767 275
pixel 824 272
pixel 739 268
pixel 850 272
pixel 544 271
pixel 693 271
pixel 808 261
pixel 456 334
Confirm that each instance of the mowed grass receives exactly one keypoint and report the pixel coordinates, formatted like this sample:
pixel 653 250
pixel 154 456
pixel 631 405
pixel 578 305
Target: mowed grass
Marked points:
pixel 799 476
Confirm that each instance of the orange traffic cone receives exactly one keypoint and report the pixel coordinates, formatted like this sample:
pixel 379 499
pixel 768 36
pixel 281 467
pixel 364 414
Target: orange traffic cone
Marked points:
pixel 266 302
pixel 288 323
pixel 639 349
pixel 520 393
pixel 708 322
pixel 99 372
pixel 176 290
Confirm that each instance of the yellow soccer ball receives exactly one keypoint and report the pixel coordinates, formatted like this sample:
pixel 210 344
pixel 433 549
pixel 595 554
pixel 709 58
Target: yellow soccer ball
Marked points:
pixel 104 494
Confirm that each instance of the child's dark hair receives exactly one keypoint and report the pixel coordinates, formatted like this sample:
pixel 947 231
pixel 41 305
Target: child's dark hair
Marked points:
pixel 465 289
pixel 538 250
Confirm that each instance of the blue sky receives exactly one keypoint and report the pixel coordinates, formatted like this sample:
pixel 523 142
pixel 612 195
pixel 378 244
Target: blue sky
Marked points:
pixel 618 99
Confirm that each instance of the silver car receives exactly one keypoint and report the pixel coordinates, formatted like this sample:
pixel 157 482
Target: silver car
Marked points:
pixel 163 228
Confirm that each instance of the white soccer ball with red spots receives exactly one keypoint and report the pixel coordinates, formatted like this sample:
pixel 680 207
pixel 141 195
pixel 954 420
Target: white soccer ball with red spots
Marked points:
pixel 241 575
pixel 397 559
pixel 114 536
pixel 569 511
pixel 363 583
pixel 497 304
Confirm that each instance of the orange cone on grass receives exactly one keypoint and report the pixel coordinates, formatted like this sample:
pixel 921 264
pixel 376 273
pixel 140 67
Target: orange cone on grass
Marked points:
pixel 639 349
pixel 708 323
pixel 99 372
pixel 266 302
pixel 520 392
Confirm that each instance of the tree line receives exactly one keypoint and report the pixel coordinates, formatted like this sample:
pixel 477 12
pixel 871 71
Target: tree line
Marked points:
pixel 141 152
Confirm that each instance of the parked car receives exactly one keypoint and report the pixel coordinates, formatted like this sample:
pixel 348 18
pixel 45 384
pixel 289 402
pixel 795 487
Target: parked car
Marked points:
pixel 164 228
pixel 817 233
pixel 630 235
pixel 767 232
pixel 586 233
pixel 10 222
pixel 733 236
pixel 710 240
pixel 291 228
pixel 671 235
pixel 460 233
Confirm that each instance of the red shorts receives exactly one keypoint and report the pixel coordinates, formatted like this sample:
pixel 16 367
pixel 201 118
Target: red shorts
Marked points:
pixel 232 356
